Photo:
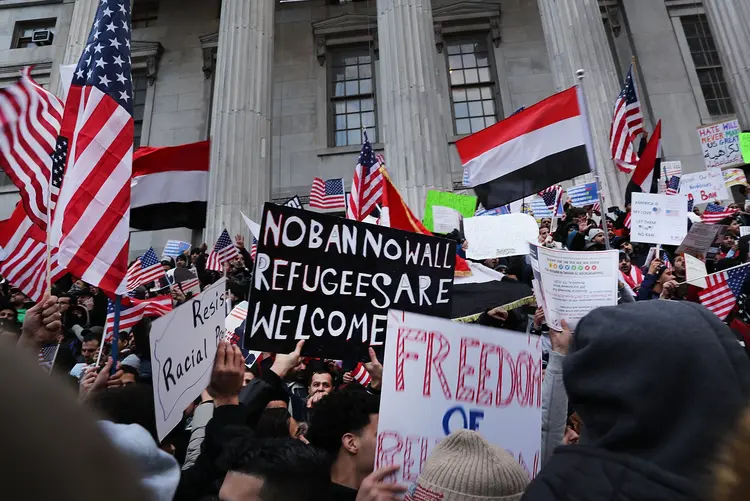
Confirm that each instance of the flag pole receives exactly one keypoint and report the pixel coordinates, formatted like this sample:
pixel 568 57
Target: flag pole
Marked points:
pixel 580 74
pixel 115 333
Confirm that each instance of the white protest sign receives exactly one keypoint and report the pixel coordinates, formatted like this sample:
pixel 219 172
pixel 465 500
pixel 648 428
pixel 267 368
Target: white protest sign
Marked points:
pixel 669 169
pixel 744 230
pixel 658 219
pixel 507 235
pixel 705 186
pixel 574 283
pixel 183 348
pixel 721 144
pixel 440 376
pixel 699 239
pixel 445 219
pixel 695 271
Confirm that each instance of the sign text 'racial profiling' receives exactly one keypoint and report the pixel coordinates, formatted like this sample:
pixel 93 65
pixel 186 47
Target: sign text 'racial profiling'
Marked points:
pixel 331 281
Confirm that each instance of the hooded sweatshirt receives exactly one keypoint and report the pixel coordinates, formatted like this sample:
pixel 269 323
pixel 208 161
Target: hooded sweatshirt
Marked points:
pixel 658 385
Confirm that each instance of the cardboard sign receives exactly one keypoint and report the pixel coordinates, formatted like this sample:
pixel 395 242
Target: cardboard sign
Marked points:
pixel 721 144
pixel 445 219
pixel 183 348
pixel 658 219
pixel 745 146
pixel 499 236
pixel 734 177
pixel 465 205
pixel 331 281
pixel 705 186
pixel 440 376
pixel 695 271
pixel 573 283
pixel 698 240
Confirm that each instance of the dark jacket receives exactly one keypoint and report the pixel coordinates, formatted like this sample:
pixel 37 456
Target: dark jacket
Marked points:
pixel 658 385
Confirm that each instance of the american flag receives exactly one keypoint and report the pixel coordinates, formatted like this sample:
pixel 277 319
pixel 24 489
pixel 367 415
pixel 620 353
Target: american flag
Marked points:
pixel 361 375
pixel 190 285
pixel 254 249
pixel 175 248
pixel 551 196
pixel 327 194
pixel 418 493
pixel 715 213
pixel 134 312
pixel 627 123
pixel 30 119
pixel 239 312
pixel 46 357
pixel 367 184
pixel 667 262
pixel 145 269
pixel 91 219
pixel 597 207
pixel 224 251
pixel 673 186
pixel 626 223
pixel 723 288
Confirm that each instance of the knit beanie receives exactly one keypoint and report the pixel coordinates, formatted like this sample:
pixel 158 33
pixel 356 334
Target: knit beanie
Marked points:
pixel 465 467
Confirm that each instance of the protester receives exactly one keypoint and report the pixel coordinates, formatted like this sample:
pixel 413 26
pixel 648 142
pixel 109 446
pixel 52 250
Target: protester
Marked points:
pixel 595 240
pixel 658 282
pixel 18 301
pixel 630 274
pixel 321 382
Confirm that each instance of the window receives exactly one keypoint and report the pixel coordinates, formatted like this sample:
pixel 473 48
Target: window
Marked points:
pixel 707 64
pixel 140 88
pixel 472 85
pixel 352 96
pixel 23 36
pixel 144 11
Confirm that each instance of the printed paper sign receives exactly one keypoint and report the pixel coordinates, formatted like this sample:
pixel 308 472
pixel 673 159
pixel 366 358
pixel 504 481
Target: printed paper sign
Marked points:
pixel 440 376
pixel 705 186
pixel 658 219
pixel 583 195
pixel 445 219
pixel 734 177
pixel 574 283
pixel 183 348
pixel 721 144
pixel 499 236
pixel 671 168
pixel 331 281
pixel 699 239
pixel 744 230
pixel 465 205
pixel 745 146
pixel 695 271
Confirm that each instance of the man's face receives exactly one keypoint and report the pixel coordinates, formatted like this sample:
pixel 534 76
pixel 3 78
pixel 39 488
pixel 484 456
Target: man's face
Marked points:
pixel 367 439
pixel 734 227
pixel 599 239
pixel 679 264
pixel 728 242
pixel 8 314
pixel 246 378
pixel 240 487
pixel 543 234
pixel 546 223
pixel 88 350
pixel 127 378
pixel 625 266
pixel 18 298
pixel 627 248
pixel 63 303
pixel 122 342
pixel 321 383
pixel 166 267
pixel 665 277
pixel 181 263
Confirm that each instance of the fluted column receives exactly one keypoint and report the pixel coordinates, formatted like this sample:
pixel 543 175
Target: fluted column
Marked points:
pixel 416 146
pixel 575 37
pixel 240 174
pixel 730 26
pixel 78 34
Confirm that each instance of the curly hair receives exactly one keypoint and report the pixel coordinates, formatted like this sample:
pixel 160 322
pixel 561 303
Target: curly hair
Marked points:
pixel 339 413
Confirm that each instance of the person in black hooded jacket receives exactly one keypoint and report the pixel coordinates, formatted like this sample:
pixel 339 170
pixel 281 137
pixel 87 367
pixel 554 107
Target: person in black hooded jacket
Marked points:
pixel 658 385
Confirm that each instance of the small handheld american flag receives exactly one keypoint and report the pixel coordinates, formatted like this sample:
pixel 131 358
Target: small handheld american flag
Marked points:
pixel 723 289
pixel 673 186
pixel 46 358
pixel 132 314
pixel 223 251
pixel 361 375
pixel 715 213
pixel 145 269
pixel 551 196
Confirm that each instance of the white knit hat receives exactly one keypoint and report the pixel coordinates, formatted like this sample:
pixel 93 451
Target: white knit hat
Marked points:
pixel 465 467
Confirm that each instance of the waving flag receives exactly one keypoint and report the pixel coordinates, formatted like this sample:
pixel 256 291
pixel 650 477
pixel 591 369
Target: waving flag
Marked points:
pixel 552 196
pixel 367 185
pixel 645 178
pixel 627 123
pixel 145 269
pixel 361 375
pixel 91 219
pixel 715 213
pixel 224 251
pixel 175 248
pixel 328 195
pixel 723 288
pixel 132 314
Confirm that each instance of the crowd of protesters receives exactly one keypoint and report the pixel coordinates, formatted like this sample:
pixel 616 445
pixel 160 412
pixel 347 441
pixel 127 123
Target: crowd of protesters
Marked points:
pixel 646 400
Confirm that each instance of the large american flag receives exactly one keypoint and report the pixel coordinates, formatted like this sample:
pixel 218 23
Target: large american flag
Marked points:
pixel 715 213
pixel 131 314
pixel 327 194
pixel 367 184
pixel 723 288
pixel 30 119
pixel 627 123
pixel 223 251
pixel 91 220
pixel 146 268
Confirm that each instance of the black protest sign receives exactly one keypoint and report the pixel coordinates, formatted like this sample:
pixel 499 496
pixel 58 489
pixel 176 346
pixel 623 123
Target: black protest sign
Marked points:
pixel 331 282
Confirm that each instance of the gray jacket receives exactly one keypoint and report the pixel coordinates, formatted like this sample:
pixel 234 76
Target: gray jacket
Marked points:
pixel 554 406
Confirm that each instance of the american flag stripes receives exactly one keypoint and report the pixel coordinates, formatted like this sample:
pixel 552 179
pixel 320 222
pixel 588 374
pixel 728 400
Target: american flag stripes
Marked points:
pixel 224 251
pixel 254 249
pixel 239 312
pixel 30 119
pixel 715 213
pixel 626 223
pixel 361 375
pixel 627 123
pixel 144 269
pixel 723 288
pixel 91 219
pixel 131 315
pixel 192 285
pixel 327 195
pixel 367 184
pixel 418 493
pixel 673 186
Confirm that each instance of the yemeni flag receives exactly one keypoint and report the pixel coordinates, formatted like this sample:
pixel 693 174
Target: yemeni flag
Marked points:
pixel 169 188
pixel 483 290
pixel 527 152
pixel 645 177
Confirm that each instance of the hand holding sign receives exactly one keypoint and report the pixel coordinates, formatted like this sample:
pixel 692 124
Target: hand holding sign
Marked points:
pixel 227 374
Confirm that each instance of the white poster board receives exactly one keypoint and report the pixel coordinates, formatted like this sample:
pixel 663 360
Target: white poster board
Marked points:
pixel 699 239
pixel 183 348
pixel 445 219
pixel 573 283
pixel 440 376
pixel 507 235
pixel 721 144
pixel 658 219
pixel 705 186
pixel 695 271
pixel 671 168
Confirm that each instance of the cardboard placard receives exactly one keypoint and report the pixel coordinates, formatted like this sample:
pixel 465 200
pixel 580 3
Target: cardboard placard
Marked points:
pixel 699 239
pixel 658 219
pixel 745 146
pixel 183 347
pixel 499 236
pixel 330 281
pixel 445 219
pixel 734 177
pixel 440 376
pixel 721 144
pixel 705 186
pixel 465 205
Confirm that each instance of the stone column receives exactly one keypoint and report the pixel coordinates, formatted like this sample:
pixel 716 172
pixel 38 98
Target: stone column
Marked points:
pixel 78 34
pixel 575 37
pixel 730 26
pixel 240 173
pixel 416 143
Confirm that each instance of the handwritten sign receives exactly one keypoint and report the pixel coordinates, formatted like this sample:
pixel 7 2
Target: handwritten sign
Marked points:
pixel 445 219
pixel 183 348
pixel 705 186
pixel 331 281
pixel 734 177
pixel 658 219
pixel 698 240
pixel 465 205
pixel 499 236
pixel 745 146
pixel 721 144
pixel 440 376
pixel 574 283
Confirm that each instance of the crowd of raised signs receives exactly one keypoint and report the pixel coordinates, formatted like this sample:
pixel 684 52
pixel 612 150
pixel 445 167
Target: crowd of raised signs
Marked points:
pixel 645 400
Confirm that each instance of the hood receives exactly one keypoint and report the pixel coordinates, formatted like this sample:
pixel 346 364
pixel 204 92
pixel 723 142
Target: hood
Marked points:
pixel 662 381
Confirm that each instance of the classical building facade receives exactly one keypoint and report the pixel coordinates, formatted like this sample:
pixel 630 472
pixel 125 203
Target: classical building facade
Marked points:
pixel 283 88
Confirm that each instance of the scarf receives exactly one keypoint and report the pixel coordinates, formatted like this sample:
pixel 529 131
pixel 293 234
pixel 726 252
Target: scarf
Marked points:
pixel 634 278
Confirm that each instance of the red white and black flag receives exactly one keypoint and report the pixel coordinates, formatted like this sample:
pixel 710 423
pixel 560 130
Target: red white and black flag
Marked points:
pixel 527 152
pixel 645 177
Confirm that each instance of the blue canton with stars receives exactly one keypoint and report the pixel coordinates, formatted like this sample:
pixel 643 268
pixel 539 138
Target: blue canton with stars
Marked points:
pixel 736 278
pixel 105 62
pixel 628 92
pixel 334 187
pixel 367 156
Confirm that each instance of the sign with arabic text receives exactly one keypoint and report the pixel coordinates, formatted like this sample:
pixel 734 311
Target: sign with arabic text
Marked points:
pixel 721 144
